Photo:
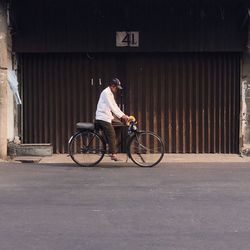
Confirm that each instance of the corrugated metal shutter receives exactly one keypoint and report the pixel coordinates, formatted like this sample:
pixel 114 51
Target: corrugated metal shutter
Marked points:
pixel 59 90
pixel 191 100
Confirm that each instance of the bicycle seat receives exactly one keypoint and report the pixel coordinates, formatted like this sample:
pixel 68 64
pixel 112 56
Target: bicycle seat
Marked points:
pixel 85 125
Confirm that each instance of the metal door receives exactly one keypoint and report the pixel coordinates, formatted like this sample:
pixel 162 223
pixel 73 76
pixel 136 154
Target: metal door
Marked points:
pixel 59 90
pixel 191 100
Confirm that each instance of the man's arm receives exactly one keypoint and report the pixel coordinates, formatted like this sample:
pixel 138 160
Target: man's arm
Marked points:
pixel 110 100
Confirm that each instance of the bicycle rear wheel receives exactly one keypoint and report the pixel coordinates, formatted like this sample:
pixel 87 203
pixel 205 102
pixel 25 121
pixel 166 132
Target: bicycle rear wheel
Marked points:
pixel 87 148
pixel 146 149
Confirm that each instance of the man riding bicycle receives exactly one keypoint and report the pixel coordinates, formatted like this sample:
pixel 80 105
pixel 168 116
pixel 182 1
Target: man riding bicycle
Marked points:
pixel 106 107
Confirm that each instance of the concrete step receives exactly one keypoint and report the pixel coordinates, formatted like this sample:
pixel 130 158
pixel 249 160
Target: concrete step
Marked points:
pixel 38 149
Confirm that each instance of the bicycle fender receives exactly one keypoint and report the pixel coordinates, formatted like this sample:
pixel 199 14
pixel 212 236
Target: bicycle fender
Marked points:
pixel 71 138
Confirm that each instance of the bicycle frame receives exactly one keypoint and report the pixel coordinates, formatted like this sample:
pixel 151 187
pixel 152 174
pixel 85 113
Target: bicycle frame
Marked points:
pixel 128 139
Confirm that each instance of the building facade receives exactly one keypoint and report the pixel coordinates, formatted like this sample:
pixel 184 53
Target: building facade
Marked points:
pixel 184 65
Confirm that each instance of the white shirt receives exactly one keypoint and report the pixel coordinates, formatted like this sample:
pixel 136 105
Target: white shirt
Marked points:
pixel 106 106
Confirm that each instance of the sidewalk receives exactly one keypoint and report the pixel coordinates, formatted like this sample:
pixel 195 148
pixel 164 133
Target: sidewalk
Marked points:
pixel 168 158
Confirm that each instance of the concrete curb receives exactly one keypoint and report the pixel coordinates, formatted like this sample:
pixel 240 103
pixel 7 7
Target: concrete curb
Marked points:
pixel 168 158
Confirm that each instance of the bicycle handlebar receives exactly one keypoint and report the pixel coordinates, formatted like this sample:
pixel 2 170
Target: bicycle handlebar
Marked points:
pixel 131 124
pixel 131 119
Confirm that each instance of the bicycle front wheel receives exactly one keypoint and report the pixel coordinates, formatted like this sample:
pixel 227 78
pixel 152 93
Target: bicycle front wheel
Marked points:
pixel 146 149
pixel 87 148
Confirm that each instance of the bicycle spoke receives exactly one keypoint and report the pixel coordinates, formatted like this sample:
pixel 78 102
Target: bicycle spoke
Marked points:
pixel 87 149
pixel 141 158
pixel 146 149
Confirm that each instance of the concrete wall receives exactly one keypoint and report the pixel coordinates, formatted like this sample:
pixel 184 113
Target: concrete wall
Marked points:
pixel 246 99
pixel 7 105
pixel 3 80
pixel 245 87
pixel 12 111
pixel 10 116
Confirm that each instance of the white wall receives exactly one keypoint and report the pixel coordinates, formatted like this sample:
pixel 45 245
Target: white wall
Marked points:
pixel 10 116
pixel 11 102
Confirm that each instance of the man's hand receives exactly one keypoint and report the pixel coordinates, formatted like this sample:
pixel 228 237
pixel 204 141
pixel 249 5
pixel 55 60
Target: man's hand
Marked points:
pixel 124 118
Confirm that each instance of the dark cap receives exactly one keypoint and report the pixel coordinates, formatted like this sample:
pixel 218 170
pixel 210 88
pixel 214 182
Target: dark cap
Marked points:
pixel 117 82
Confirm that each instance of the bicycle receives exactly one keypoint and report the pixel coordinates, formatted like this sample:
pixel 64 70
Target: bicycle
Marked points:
pixel 87 146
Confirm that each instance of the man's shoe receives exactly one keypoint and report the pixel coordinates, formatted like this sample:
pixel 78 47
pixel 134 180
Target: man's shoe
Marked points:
pixel 114 158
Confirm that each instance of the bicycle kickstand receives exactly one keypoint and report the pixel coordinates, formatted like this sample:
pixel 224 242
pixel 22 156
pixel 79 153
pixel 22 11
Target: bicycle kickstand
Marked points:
pixel 127 159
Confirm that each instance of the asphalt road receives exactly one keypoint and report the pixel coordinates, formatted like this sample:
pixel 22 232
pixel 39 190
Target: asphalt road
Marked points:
pixel 174 206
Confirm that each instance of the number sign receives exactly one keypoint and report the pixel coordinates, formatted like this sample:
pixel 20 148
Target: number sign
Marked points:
pixel 127 39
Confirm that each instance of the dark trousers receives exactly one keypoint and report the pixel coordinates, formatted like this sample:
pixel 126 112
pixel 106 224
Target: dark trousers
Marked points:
pixel 109 133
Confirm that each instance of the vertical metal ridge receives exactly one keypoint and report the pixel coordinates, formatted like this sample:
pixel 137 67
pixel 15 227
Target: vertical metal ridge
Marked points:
pixel 177 105
pixel 197 106
pixel 226 87
pixel 234 108
pixel 230 80
pixel 213 105
pixel 184 105
pixel 190 105
pixel 202 104
pixel 162 102
pixel 66 84
pixel 170 107
pixel 220 106
pixel 209 85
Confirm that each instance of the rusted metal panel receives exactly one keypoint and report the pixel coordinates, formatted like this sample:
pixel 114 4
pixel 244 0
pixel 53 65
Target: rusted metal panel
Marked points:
pixel 191 100
pixel 200 103
pixel 57 93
